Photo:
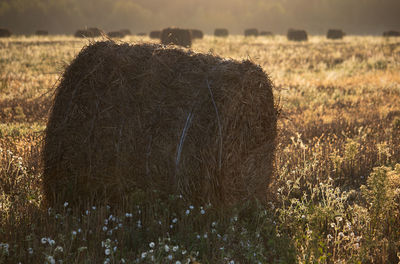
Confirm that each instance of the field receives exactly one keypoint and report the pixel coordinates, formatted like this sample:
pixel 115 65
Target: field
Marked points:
pixel 335 197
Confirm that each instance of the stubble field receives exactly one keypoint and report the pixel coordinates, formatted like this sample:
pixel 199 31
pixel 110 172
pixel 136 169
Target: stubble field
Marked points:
pixel 335 197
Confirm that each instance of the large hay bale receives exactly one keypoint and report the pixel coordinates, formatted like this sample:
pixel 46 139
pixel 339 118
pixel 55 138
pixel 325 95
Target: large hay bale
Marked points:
pixel 251 32
pixel 176 36
pixel 155 34
pixel 221 32
pixel 41 32
pixel 266 33
pixel 391 33
pixel 297 35
pixel 335 34
pixel 141 34
pixel 152 117
pixel 5 33
pixel 197 34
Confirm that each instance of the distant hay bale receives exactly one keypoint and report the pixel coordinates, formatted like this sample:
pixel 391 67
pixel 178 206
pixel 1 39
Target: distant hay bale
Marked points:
pixel 297 35
pixel 115 34
pixel 221 32
pixel 88 33
pixel 391 33
pixel 5 33
pixel 155 34
pixel 150 117
pixel 197 34
pixel 176 36
pixel 266 33
pixel 141 34
pixel 126 32
pixel 41 33
pixel 251 32
pixel 335 34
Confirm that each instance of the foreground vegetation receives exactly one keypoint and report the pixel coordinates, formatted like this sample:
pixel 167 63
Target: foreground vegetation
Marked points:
pixel 336 193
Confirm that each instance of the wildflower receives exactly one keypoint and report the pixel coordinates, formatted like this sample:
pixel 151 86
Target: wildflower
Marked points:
pixel 175 220
pixel 184 252
pixel 50 260
pixel 187 212
pixel 191 207
pixel 175 248
pixel 356 246
pixel 74 233
pixel 87 212
pixel 59 249
pixel 107 260
pixel 65 204
pixel 107 251
pixel 93 207
pixel 30 251
pixel 144 255
pixel 171 226
pixel 202 211
pixel 43 240
pixel 128 215
pixel 177 262
pixel 51 241
pixel 205 235
pixel 79 230
pixel 4 247
pixel 232 262
pixel 303 217
pixel 104 228
pixel 166 247
pixel 151 245
pixel 339 218
pixel 115 249
pixel 170 257
pixel 106 221
pixel 341 234
pixel 123 260
pixel 333 225
pixel 329 236
pixel 198 236
pixel 213 224
pixel 139 224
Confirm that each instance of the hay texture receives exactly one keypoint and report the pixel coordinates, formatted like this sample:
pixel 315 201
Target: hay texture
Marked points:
pixel 155 34
pixel 335 34
pixel 221 32
pixel 152 117
pixel 391 33
pixel 266 33
pixel 5 33
pixel 41 33
pixel 251 32
pixel 297 35
pixel 176 36
pixel 197 34
pixel 126 32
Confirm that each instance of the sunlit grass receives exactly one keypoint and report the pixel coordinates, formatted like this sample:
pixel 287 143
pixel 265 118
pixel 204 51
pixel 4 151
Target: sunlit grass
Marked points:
pixel 335 198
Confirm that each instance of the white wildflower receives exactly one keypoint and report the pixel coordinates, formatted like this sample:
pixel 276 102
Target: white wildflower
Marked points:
pixel 151 245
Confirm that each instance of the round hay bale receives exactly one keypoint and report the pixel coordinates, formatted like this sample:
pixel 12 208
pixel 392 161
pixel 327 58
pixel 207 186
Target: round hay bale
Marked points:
pixel 126 32
pixel 5 33
pixel 251 32
pixel 115 34
pixel 221 32
pixel 266 33
pixel 335 34
pixel 155 34
pixel 391 33
pixel 149 117
pixel 297 35
pixel 176 36
pixel 41 32
pixel 197 34
pixel 141 34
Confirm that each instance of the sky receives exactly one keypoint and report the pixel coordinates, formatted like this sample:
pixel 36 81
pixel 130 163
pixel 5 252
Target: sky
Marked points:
pixel 315 16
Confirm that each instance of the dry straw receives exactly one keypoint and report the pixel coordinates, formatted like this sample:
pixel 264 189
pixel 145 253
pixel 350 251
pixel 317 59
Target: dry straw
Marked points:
pixel 88 33
pixel 150 117
pixel 176 36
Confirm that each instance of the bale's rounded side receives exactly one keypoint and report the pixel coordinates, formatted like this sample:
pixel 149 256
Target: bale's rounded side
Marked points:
pixel 155 34
pixel 221 32
pixel 176 36
pixel 154 118
pixel 251 32
pixel 266 33
pixel 391 33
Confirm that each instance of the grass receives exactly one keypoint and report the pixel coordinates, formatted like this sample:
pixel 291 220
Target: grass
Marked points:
pixel 336 191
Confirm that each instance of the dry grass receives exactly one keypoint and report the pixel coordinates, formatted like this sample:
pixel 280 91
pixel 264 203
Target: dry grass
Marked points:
pixel 340 119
